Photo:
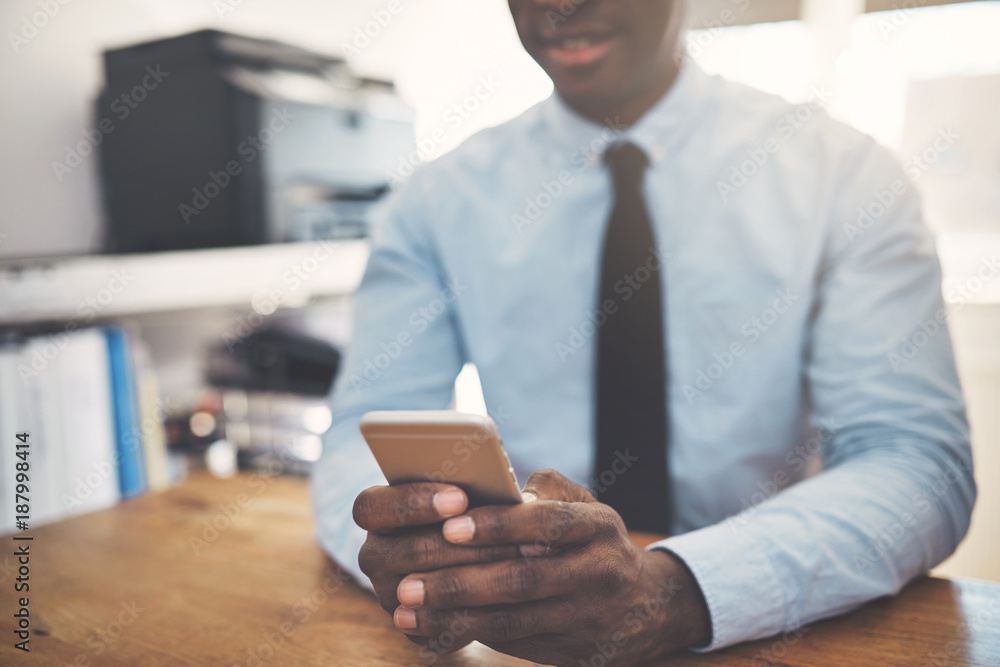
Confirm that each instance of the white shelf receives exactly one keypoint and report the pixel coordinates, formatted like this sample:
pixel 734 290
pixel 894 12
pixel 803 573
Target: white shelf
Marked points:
pixel 295 273
pixel 258 277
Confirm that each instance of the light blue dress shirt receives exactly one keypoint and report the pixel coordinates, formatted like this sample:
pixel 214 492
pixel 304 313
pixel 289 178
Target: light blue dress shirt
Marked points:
pixel 804 322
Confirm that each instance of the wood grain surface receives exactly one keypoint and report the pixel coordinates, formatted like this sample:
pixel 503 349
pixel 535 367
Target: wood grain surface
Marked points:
pixel 229 573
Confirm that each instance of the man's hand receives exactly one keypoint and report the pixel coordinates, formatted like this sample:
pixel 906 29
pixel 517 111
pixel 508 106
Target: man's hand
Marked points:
pixel 580 590
pixel 404 536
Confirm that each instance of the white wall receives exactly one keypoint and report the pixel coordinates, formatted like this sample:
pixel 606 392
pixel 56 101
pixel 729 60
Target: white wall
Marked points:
pixel 434 49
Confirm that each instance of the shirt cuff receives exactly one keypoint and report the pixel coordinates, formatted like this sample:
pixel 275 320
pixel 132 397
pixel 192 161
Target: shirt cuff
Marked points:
pixel 743 594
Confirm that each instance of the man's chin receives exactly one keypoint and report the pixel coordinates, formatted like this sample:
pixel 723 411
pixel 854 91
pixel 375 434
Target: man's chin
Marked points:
pixel 590 101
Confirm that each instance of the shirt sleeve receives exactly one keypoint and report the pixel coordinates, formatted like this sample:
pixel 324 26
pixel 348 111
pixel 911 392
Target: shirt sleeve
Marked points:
pixel 897 490
pixel 404 355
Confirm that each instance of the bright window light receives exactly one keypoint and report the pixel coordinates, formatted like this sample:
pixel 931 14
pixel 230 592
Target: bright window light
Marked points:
pixel 889 49
pixel 469 392
pixel 774 57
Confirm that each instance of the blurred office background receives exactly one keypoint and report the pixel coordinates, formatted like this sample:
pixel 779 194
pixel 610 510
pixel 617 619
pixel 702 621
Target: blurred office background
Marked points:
pixel 231 349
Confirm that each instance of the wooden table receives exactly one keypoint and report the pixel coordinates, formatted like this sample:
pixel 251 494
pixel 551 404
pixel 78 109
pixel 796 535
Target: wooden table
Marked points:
pixel 153 582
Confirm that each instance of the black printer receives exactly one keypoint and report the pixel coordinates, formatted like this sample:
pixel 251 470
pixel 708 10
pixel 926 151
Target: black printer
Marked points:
pixel 213 139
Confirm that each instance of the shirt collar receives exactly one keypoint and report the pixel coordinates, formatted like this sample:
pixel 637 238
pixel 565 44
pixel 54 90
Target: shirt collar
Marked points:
pixel 658 131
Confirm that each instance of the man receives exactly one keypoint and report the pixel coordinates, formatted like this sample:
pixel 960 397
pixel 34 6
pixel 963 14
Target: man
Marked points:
pixel 683 294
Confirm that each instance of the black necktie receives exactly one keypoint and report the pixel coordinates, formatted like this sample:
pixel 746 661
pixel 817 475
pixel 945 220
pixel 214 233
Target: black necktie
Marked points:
pixel 630 471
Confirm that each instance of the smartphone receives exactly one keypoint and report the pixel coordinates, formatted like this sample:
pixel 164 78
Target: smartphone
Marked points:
pixel 446 447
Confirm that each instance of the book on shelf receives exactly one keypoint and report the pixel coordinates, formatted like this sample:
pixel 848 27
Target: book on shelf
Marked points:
pixel 84 409
pixel 124 401
pixel 90 402
pixel 152 412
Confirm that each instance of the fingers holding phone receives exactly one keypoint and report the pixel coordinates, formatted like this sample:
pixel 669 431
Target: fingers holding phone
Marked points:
pixel 383 509
pixel 404 535
pixel 405 538
pixel 438 464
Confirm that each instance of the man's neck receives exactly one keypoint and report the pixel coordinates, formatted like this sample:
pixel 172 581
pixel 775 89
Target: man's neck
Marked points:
pixel 627 112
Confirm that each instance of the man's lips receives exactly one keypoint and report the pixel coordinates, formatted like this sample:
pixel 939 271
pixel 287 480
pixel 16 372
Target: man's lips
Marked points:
pixel 577 51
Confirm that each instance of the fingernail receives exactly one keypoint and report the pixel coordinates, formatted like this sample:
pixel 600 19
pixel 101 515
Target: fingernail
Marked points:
pixel 406 619
pixel 449 502
pixel 459 530
pixel 528 497
pixel 411 592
